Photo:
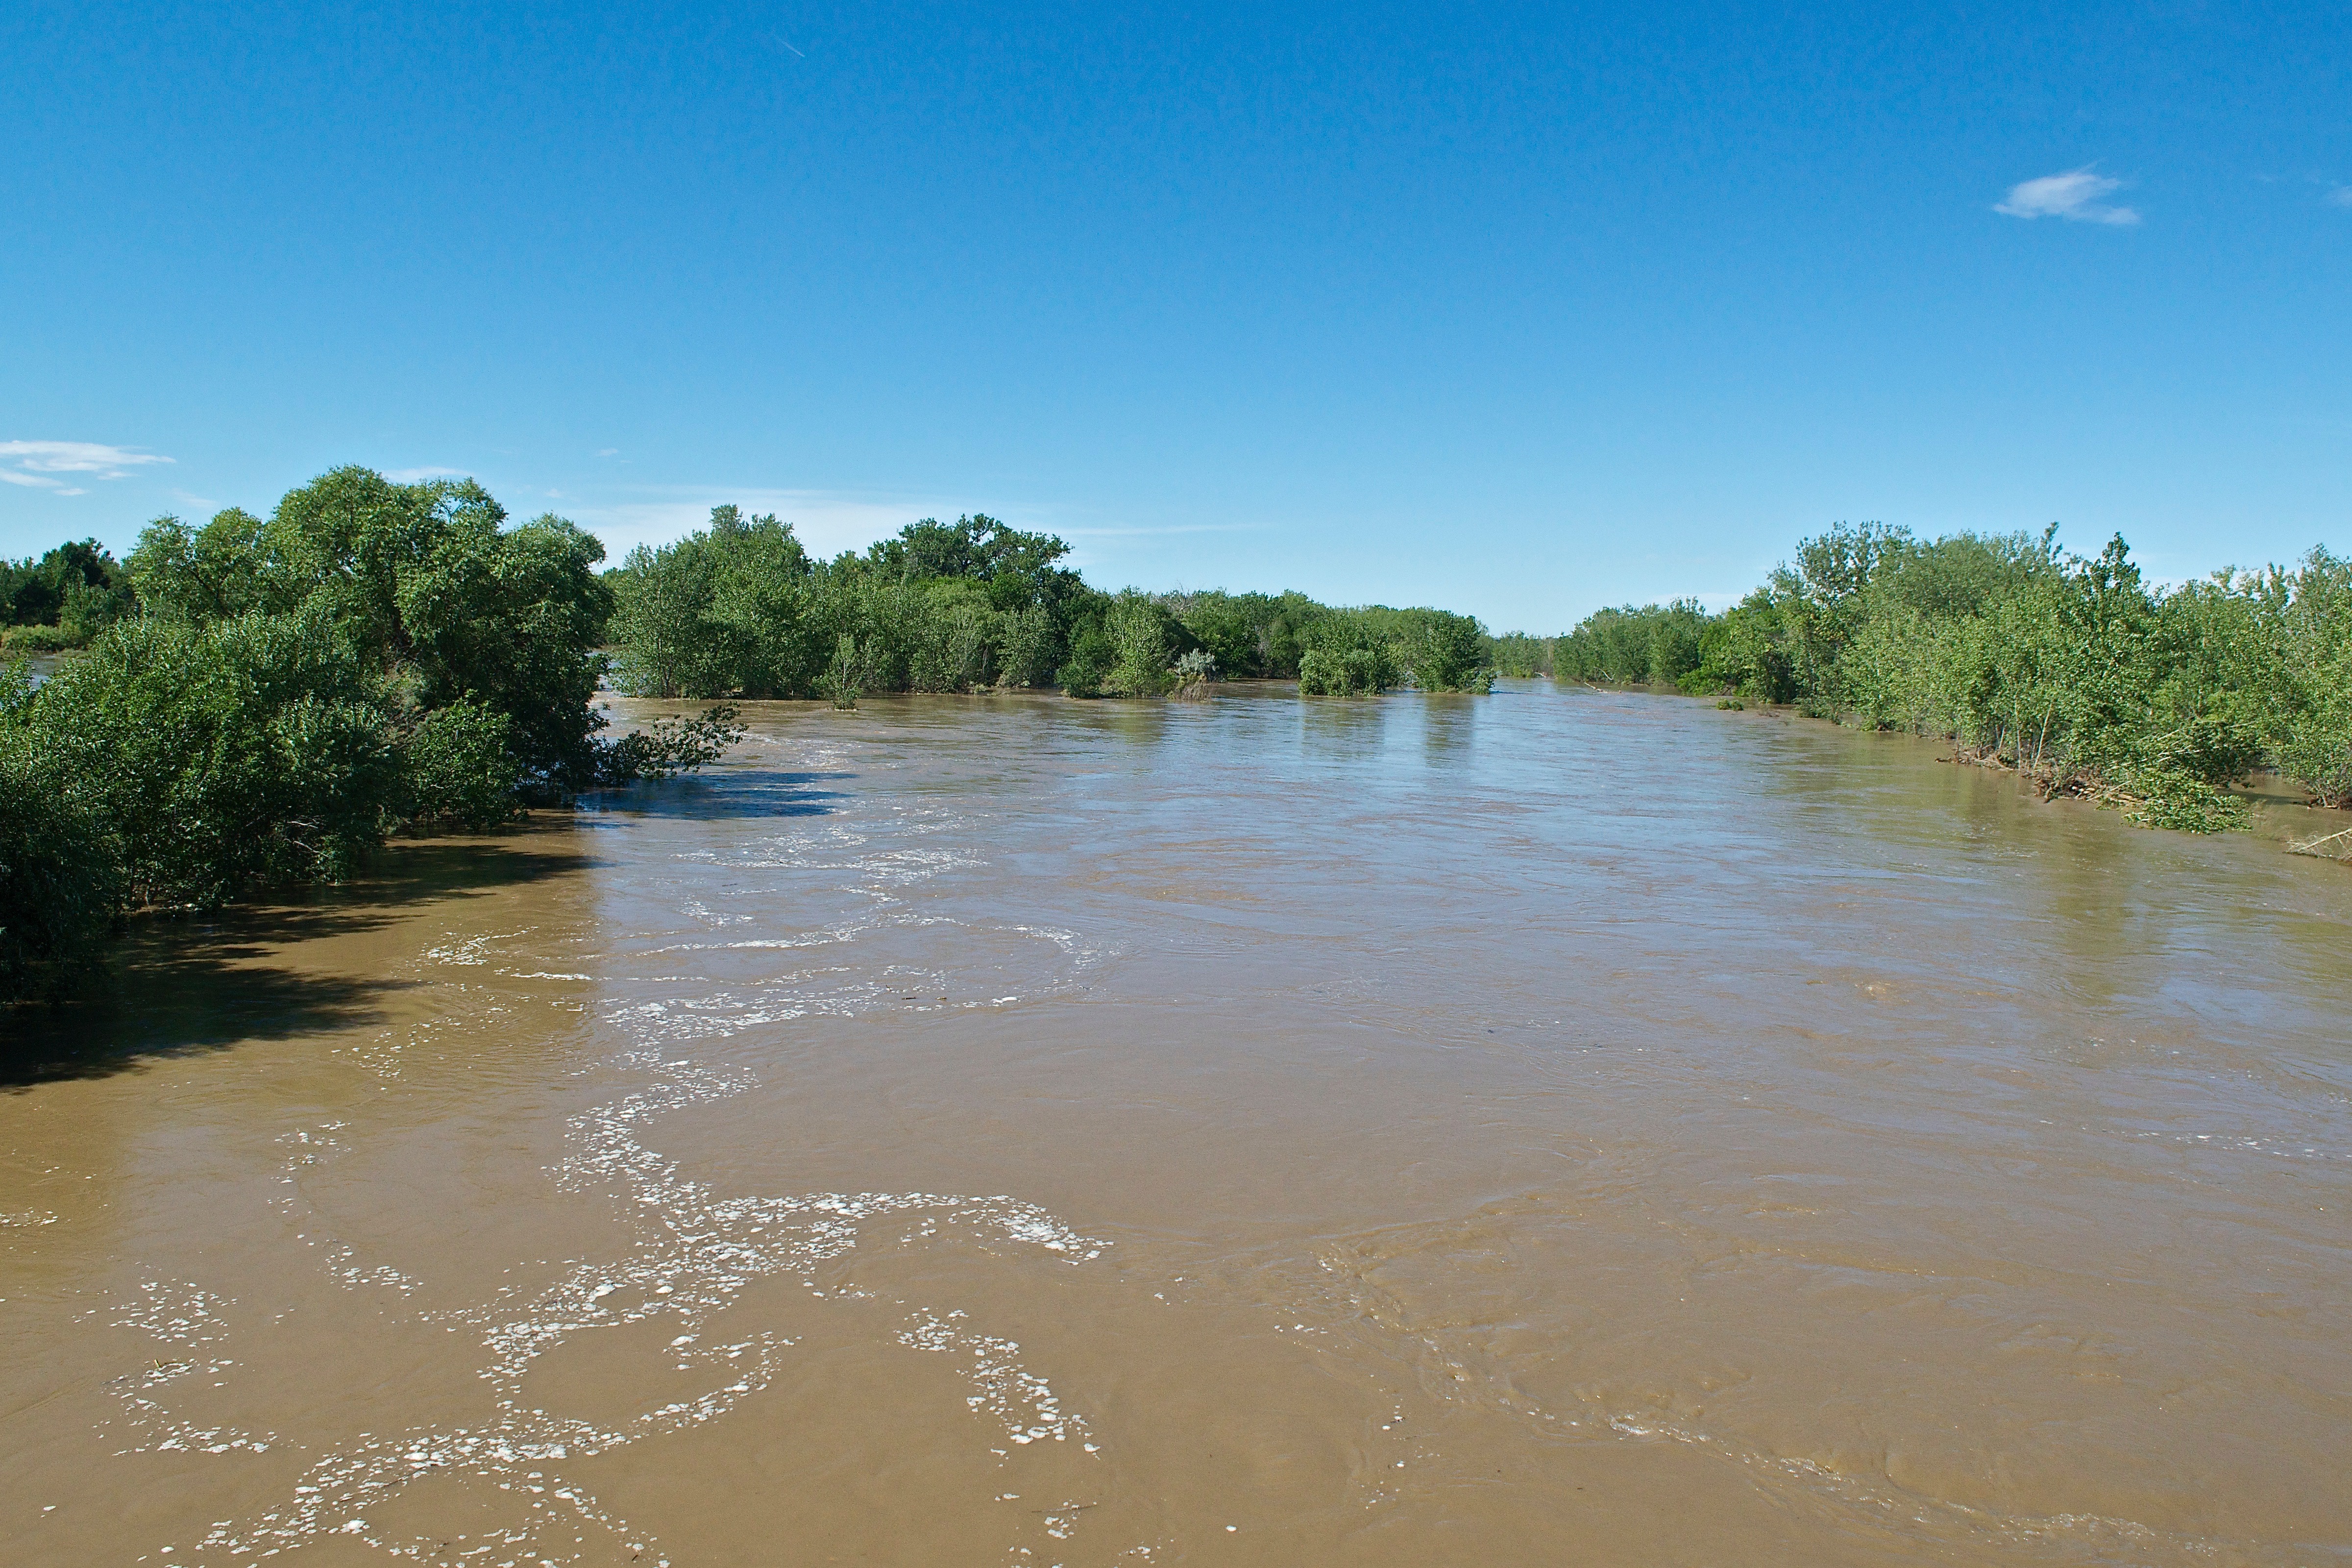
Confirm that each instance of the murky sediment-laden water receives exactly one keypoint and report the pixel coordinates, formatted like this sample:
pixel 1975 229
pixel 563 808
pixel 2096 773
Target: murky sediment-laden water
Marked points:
pixel 1554 1128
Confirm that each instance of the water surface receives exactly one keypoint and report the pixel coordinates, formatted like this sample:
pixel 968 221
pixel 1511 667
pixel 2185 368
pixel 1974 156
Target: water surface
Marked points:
pixel 1556 1127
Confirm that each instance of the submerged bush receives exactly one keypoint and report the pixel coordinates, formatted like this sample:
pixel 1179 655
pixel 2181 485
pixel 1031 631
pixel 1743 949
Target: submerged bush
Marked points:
pixel 371 657
pixel 221 758
pixel 1521 655
pixel 1349 672
pixel 58 886
pixel 2069 669
pixel 457 769
pixel 1089 662
pixel 673 746
pixel 740 610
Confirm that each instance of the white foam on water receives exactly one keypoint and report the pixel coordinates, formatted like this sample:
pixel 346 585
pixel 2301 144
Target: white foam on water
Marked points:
pixel 692 1255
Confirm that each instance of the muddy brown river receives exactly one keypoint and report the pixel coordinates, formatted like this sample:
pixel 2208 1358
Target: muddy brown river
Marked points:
pixel 1555 1127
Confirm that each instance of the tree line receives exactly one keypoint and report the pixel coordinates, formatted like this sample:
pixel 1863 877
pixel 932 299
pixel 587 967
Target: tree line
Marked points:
pixel 63 599
pixel 741 609
pixel 260 701
pixel 2074 670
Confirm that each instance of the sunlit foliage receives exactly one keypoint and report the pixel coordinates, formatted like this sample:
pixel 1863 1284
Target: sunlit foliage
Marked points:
pixel 739 609
pixel 371 658
pixel 2073 670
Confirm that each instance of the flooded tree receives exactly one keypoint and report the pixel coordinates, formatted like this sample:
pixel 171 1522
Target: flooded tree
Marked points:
pixel 2072 670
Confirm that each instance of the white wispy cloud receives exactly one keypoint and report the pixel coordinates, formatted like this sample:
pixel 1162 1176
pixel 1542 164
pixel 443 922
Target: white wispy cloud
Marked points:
pixel 418 476
pixel 41 482
pixel 2074 195
pixel 37 464
pixel 2341 196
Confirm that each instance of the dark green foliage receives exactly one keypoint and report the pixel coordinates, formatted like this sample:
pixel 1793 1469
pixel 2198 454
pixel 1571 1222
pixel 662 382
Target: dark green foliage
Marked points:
pixel 719 611
pixel 739 609
pixel 673 746
pixel 431 587
pixel 58 886
pixel 2308 716
pixel 1345 673
pixel 1146 640
pixel 374 655
pixel 64 599
pixel 457 768
pixel 1521 655
pixel 1348 654
pixel 2072 670
pixel 1438 650
pixel 199 573
pixel 1250 635
pixel 220 758
pixel 1653 644
pixel 1090 661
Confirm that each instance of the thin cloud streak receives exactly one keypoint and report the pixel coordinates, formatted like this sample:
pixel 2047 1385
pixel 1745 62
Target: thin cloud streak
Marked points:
pixel 31 463
pixel 2073 196
pixel 41 482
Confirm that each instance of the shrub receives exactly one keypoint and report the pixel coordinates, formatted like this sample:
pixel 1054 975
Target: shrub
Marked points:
pixel 222 758
pixel 1352 672
pixel 457 769
pixel 59 892
pixel 1089 662
pixel 1520 653
pixel 1145 639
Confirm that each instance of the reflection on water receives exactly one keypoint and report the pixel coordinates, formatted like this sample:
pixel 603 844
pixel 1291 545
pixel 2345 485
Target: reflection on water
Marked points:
pixel 1560 1126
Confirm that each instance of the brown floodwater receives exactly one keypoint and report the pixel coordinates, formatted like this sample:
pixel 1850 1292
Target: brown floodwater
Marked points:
pixel 1559 1127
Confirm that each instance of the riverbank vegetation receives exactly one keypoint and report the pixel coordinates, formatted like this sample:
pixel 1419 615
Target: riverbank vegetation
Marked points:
pixel 261 701
pixel 741 609
pixel 2073 670
pixel 373 658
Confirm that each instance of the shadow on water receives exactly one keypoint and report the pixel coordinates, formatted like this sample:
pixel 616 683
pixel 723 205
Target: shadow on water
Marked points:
pixel 178 985
pixel 745 792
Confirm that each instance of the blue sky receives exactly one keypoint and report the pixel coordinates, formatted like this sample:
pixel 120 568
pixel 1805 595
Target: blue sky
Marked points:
pixel 1518 309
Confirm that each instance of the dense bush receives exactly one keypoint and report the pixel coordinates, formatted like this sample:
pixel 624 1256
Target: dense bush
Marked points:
pixel 221 757
pixel 431 587
pixel 739 609
pixel 1521 655
pixel 63 599
pixel 1347 655
pixel 373 658
pixel 2070 670
pixel 1250 635
pixel 59 890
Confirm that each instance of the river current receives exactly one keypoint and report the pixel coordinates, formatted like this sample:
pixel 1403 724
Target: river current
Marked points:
pixel 1555 1127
